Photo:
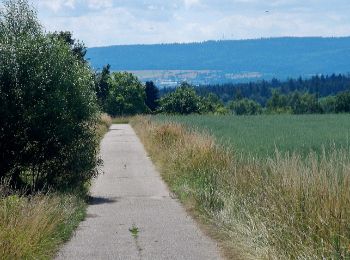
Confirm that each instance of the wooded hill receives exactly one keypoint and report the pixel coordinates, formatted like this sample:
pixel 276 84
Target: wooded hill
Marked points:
pixel 275 57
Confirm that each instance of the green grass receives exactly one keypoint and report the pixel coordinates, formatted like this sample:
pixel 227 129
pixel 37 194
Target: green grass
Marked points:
pixel 261 135
pixel 286 206
pixel 121 120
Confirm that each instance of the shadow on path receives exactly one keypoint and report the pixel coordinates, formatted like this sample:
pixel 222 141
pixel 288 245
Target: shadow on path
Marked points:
pixel 101 200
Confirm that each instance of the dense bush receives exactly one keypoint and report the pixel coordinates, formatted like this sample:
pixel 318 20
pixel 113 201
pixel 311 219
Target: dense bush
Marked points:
pixel 126 95
pixel 47 105
pixel 245 107
pixel 183 100
pixel 342 102
pixel 213 105
pixel 295 102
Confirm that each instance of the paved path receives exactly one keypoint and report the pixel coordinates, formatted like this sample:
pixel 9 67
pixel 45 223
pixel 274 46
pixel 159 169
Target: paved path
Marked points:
pixel 131 194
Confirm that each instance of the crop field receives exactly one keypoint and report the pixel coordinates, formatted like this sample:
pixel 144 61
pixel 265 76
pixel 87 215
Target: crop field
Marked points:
pixel 262 135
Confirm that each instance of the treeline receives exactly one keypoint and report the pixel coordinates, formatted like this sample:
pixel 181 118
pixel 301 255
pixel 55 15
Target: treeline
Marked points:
pixel 319 94
pixel 261 91
pixel 121 93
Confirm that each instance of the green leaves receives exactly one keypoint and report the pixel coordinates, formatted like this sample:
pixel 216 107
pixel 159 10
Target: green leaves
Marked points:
pixel 126 95
pixel 48 107
pixel 245 107
pixel 183 100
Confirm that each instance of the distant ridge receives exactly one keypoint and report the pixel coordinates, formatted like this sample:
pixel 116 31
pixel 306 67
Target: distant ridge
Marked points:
pixel 271 57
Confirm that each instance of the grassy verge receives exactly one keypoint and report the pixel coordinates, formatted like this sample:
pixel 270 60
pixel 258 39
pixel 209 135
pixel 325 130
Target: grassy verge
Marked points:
pixel 104 124
pixel 283 207
pixel 33 227
pixel 121 120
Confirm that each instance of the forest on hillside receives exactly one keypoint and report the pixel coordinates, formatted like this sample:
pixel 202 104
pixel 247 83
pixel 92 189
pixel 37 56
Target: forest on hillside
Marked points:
pixel 274 57
pixel 261 91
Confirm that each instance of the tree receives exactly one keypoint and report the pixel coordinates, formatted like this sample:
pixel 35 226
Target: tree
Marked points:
pixel 152 96
pixel 245 107
pixel 183 100
pixel 303 103
pixel 328 104
pixel 278 103
pixel 102 85
pixel 78 48
pixel 212 104
pixel 48 108
pixel 126 95
pixel 342 102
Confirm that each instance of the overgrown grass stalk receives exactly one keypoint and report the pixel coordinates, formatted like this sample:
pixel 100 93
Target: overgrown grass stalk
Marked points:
pixel 286 206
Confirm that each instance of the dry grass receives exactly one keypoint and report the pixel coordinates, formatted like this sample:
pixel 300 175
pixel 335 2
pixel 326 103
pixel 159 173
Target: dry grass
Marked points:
pixel 284 207
pixel 103 125
pixel 33 227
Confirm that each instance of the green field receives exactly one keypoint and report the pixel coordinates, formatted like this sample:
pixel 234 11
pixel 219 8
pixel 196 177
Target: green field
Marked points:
pixel 261 135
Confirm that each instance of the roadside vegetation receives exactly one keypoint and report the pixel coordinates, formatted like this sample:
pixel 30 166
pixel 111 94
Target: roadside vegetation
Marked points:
pixel 283 206
pixel 271 186
pixel 50 129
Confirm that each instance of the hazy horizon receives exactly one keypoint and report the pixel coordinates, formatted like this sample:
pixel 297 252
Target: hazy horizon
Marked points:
pixel 219 40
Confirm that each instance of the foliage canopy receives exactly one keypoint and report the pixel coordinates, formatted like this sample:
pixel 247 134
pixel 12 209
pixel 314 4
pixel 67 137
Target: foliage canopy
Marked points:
pixel 48 105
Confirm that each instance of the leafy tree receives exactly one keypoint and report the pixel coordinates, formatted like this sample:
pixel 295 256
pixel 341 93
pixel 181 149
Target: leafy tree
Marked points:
pixel 245 107
pixel 78 48
pixel 183 100
pixel 152 96
pixel 278 102
pixel 328 104
pixel 303 103
pixel 342 102
pixel 213 104
pixel 48 109
pixel 126 95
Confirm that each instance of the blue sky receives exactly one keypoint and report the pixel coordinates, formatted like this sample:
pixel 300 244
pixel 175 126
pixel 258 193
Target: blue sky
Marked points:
pixel 111 22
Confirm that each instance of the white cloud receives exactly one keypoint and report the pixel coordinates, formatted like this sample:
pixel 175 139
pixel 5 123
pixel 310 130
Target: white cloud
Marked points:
pixel 190 3
pixel 57 5
pixel 108 22
pixel 99 4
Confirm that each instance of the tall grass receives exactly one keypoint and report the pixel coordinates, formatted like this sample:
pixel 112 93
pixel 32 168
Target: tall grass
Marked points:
pixel 33 227
pixel 103 125
pixel 286 206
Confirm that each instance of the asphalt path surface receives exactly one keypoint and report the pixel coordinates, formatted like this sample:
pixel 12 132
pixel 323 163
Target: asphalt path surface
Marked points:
pixel 131 214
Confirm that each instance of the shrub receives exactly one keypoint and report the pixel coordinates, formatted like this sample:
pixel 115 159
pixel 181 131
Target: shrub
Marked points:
pixel 245 107
pixel 183 100
pixel 126 95
pixel 47 106
pixel 342 102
